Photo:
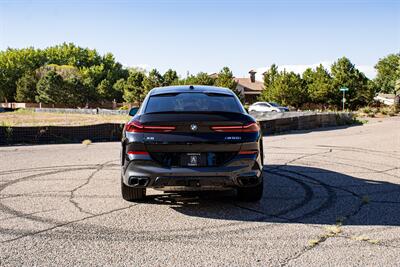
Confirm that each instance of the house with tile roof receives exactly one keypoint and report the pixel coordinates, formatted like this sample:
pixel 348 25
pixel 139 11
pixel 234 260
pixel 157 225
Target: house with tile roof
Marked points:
pixel 250 87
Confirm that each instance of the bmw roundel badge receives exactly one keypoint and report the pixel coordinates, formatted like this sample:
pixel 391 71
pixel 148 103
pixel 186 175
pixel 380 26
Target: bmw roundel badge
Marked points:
pixel 193 127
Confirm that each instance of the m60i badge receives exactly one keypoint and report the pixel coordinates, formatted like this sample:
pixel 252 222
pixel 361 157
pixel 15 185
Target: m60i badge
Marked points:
pixel 233 138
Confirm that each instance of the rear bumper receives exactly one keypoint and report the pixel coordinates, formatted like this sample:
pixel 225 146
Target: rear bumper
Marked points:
pixel 242 171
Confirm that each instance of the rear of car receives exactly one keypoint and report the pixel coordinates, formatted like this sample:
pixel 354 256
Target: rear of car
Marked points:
pixel 192 138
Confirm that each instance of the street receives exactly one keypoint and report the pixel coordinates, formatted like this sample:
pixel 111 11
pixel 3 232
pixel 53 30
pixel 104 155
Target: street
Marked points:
pixel 331 197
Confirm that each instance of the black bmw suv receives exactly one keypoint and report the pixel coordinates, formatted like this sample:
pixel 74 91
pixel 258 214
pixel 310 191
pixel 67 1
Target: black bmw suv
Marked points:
pixel 189 138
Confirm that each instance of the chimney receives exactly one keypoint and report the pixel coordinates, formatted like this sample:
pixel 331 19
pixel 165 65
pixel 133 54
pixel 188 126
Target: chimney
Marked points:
pixel 252 76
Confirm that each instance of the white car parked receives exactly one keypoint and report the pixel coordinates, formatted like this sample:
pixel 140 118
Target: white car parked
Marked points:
pixel 267 107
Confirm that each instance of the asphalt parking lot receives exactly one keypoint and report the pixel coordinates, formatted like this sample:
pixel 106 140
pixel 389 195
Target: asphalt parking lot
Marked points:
pixel 332 197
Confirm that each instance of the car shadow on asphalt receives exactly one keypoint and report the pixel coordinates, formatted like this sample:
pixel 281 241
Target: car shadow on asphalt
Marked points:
pixel 299 194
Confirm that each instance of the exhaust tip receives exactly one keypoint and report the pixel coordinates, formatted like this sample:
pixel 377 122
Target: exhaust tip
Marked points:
pixel 248 180
pixel 138 181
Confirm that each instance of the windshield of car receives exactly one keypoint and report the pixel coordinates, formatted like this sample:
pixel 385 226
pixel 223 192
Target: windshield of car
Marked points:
pixel 193 102
pixel 274 104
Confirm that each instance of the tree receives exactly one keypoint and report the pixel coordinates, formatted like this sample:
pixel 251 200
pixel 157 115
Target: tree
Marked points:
pixel 133 89
pixel 170 77
pixel 104 90
pixel 26 88
pixel 74 91
pixel 225 79
pixel 388 71
pixel 287 88
pixel 200 78
pixel 14 63
pixel 345 74
pixel 50 89
pixel 119 85
pixel 319 85
pixel 90 66
pixel 70 54
pixel 154 79
pixel 270 76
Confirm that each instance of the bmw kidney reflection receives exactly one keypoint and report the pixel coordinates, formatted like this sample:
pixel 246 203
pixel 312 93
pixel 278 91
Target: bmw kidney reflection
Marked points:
pixel 186 138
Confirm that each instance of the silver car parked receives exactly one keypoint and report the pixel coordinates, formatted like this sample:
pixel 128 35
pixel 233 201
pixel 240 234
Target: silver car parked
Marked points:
pixel 267 107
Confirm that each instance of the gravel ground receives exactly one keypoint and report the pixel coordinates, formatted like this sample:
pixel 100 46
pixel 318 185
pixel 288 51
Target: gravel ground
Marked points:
pixel 331 198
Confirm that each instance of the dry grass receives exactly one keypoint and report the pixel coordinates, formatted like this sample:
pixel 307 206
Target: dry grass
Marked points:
pixel 333 229
pixel 314 242
pixel 30 118
pixel 360 238
pixel 379 112
pixel 86 142
pixel 365 239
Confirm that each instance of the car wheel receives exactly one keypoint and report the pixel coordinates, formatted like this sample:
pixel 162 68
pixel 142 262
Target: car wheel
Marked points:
pixel 250 194
pixel 131 193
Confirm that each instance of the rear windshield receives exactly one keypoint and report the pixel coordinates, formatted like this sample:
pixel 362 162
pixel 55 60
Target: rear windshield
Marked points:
pixel 188 102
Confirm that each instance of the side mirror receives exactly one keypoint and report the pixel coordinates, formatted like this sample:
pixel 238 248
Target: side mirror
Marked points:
pixel 133 111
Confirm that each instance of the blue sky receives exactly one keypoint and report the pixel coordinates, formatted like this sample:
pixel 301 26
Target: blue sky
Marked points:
pixel 207 35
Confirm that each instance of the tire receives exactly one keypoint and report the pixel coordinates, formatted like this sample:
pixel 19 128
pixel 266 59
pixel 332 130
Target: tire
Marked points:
pixel 250 194
pixel 131 193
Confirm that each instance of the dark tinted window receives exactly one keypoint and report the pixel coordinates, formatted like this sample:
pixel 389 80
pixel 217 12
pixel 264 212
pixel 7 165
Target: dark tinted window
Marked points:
pixel 187 102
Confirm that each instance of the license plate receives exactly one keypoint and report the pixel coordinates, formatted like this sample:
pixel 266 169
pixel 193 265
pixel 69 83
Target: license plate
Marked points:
pixel 192 159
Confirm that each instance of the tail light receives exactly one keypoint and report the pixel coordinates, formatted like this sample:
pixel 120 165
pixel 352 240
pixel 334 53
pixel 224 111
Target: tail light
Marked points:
pixel 248 152
pixel 249 128
pixel 138 153
pixel 137 127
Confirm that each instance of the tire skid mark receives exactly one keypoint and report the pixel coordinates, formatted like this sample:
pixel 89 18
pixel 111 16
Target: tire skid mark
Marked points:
pixel 54 167
pixel 28 214
pixel 328 203
pixel 353 166
pixel 386 154
pixel 65 224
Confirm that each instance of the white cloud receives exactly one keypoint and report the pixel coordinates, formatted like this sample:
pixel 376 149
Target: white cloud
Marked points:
pixel 368 70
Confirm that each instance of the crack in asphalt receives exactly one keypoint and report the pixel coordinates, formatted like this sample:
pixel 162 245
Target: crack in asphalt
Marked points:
pixel 88 179
pixel 11 211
